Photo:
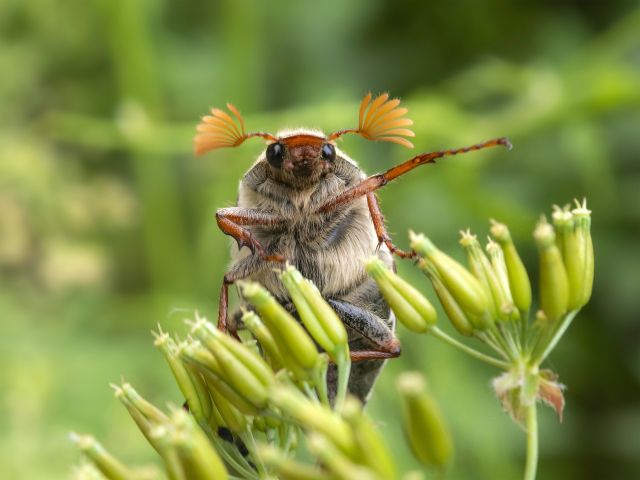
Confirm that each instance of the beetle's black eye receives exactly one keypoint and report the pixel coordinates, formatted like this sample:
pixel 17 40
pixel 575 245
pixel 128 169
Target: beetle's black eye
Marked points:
pixel 275 154
pixel 328 152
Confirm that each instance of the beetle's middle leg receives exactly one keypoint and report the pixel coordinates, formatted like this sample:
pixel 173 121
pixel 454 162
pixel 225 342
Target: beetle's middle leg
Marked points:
pixel 384 342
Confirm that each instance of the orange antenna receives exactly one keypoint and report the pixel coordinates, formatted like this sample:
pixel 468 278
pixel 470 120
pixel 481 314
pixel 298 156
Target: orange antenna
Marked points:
pixel 220 130
pixel 381 119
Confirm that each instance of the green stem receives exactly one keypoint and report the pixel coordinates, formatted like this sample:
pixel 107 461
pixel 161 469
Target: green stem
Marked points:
pixel 436 332
pixel 555 338
pixel 344 371
pixel 489 340
pixel 250 442
pixel 532 443
pixel 320 380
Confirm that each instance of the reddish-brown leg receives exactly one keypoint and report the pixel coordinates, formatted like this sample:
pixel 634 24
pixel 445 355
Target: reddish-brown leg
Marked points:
pixel 379 180
pixel 381 230
pixel 232 221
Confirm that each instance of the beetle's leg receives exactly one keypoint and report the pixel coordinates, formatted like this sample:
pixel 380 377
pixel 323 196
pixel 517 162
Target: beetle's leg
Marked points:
pixel 246 267
pixel 379 180
pixel 232 221
pixel 381 230
pixel 372 328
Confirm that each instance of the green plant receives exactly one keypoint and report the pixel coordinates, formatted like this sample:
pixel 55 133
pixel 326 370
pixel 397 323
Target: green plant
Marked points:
pixel 252 400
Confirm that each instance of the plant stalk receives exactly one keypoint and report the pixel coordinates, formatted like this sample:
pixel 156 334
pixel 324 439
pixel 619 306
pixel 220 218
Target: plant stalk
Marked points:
pixel 436 332
pixel 532 443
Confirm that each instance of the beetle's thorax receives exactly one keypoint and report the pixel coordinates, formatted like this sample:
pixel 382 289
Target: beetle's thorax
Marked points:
pixel 326 247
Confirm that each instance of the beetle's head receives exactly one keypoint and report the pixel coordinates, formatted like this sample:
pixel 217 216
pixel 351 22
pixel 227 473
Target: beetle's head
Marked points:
pixel 303 155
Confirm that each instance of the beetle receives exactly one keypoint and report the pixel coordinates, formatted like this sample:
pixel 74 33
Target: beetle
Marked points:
pixel 306 202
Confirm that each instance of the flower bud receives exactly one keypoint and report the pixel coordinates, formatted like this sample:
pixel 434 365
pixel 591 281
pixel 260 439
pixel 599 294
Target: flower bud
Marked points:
pixel 313 416
pixel 336 461
pixel 197 454
pixel 226 411
pixel 163 437
pixel 518 278
pixel 320 320
pixel 144 414
pixel 209 335
pixel 108 465
pixel 563 226
pixel 424 424
pixel 554 285
pixel 482 270
pixel 297 349
pixel 456 315
pixel 371 448
pixel 195 354
pixel 578 257
pixel 265 339
pixel 239 369
pixel 461 284
pixel 499 267
pixel 409 305
pixel 289 469
pixel 191 384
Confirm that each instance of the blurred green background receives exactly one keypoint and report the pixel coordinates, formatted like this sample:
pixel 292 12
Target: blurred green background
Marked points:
pixel 107 219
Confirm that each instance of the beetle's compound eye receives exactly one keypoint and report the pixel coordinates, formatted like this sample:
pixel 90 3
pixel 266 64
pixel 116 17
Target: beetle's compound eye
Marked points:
pixel 328 152
pixel 275 154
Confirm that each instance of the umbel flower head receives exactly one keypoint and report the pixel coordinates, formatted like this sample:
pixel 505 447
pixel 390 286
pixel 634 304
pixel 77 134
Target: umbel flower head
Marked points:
pixel 251 399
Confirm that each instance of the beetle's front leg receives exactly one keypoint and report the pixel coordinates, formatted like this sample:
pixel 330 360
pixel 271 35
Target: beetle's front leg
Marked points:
pixel 232 221
pixel 385 344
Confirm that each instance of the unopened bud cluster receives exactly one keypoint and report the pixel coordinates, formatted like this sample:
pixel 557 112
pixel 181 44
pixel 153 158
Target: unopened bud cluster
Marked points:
pixel 249 399
pixel 491 297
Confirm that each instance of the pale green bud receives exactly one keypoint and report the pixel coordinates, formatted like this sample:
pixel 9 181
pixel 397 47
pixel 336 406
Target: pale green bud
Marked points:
pixel 289 469
pixel 496 257
pixel 198 456
pixel 209 335
pixel 461 284
pixel 579 257
pixel 411 308
pixel 554 285
pixel 481 268
pixel 320 320
pixel 424 424
pixel 371 448
pixel 313 416
pixel 264 337
pixel 243 369
pixel 297 349
pixel 191 384
pixel 519 282
pixel 226 409
pixel 336 461
pixel 163 437
pixel 108 465
pixel 144 414
pixel 563 224
pixel 202 359
pixel 456 315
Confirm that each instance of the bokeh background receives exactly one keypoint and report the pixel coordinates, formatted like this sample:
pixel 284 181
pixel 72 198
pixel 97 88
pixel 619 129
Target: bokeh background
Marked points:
pixel 107 219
